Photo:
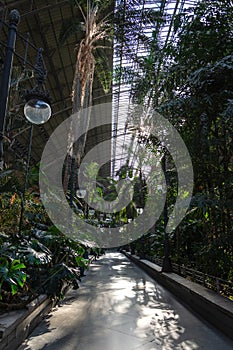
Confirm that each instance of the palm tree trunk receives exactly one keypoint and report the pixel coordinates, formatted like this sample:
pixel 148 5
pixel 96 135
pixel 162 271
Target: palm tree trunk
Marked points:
pixel 83 86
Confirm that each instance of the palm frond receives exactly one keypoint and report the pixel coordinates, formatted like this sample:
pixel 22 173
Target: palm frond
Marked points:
pixel 103 70
pixel 71 27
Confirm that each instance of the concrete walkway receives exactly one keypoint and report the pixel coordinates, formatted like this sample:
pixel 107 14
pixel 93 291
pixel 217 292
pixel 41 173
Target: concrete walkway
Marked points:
pixel 118 307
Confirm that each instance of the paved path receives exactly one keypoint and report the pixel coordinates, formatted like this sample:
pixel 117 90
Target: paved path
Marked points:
pixel 118 307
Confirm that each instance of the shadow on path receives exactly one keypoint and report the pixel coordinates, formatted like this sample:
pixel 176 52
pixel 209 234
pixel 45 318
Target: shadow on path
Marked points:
pixel 119 307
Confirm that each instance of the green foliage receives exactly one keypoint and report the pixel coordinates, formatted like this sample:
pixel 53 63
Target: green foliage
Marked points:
pixel 103 70
pixel 129 25
pixel 192 86
pixel 51 260
pixel 34 252
pixel 11 275
pixel 60 277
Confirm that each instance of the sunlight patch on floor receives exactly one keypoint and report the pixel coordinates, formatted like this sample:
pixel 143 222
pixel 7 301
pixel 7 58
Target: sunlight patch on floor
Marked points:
pixel 123 307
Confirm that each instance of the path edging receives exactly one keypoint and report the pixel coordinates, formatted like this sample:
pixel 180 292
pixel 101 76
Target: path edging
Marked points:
pixel 16 325
pixel 213 307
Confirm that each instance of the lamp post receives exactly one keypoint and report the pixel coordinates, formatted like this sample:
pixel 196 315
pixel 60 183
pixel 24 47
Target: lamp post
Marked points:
pixel 37 111
pixel 81 193
pixel 142 253
pixel 6 75
pixel 167 265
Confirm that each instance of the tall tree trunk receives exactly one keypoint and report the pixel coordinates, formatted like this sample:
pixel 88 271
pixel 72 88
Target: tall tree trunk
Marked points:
pixel 83 85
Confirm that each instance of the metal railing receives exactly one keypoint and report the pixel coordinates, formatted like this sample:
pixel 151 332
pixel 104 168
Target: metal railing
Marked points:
pixel 214 283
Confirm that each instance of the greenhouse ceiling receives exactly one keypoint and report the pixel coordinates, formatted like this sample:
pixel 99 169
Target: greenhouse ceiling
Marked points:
pixel 41 22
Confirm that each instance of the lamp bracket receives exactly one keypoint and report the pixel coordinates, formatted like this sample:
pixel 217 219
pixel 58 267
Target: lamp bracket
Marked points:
pixel 40 71
pixel 38 91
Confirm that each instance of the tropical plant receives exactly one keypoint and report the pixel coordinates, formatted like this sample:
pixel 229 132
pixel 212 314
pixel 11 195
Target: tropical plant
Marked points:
pixel 194 90
pixel 14 195
pixel 202 104
pixel 11 277
pixel 51 262
pixel 91 58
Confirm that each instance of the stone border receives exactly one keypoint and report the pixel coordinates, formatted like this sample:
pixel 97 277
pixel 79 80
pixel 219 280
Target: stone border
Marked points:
pixel 16 325
pixel 213 307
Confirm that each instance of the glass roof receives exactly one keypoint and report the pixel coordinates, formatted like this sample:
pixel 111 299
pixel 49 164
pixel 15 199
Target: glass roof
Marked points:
pixel 128 60
pixel 42 20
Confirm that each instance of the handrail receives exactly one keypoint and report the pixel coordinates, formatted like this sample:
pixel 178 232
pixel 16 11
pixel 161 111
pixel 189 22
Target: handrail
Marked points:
pixel 217 284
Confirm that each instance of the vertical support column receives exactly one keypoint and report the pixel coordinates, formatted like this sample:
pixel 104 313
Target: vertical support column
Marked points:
pixel 167 266
pixel 6 75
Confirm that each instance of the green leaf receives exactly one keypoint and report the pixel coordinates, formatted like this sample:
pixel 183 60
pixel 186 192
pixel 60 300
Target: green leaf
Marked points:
pixel 21 280
pixel 81 261
pixel 14 289
pixel 16 265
